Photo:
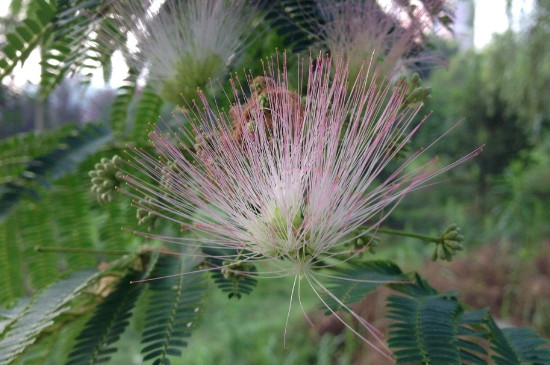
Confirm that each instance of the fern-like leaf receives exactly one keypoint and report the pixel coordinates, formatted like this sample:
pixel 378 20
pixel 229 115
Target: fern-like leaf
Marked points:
pixel 236 285
pixel 239 279
pixel 95 343
pixel 148 111
pixel 425 329
pixel 352 284
pixel 27 36
pixel 431 328
pixel 515 346
pixel 173 308
pixel 23 330
pixel 72 48
pixel 119 108
pixel 63 158
pixel 297 21
pixel 471 333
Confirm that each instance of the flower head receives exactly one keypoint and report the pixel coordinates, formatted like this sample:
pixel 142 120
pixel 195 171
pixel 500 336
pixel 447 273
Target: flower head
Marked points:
pixel 184 44
pixel 358 29
pixel 293 181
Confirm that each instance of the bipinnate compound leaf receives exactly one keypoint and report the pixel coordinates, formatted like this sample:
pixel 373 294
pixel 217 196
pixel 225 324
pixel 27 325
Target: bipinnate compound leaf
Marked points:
pixel 174 303
pixel 236 285
pixel 297 21
pixel 29 320
pixel 95 344
pixel 148 110
pixel 26 36
pixel 425 329
pixel 433 328
pixel 513 346
pixel 239 279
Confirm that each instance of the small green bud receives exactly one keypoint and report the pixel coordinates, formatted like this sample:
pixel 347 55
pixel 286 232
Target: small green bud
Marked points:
pixel 108 184
pixel 145 216
pixel 109 168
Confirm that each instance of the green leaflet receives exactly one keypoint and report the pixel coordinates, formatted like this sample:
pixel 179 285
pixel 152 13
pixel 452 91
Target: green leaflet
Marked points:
pixel 64 30
pixel 350 285
pixel 173 308
pixel 27 321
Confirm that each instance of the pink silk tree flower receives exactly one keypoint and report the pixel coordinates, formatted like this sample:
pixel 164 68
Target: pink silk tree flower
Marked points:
pixel 357 29
pixel 185 44
pixel 286 178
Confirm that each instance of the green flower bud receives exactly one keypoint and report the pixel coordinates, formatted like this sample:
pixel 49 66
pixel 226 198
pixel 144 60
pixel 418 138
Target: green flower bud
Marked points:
pixel 263 100
pixel 145 217
pixel 365 241
pixel 258 84
pixel 448 244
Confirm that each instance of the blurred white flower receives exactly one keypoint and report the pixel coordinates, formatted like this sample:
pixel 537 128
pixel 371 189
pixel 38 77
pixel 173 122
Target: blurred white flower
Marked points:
pixel 185 44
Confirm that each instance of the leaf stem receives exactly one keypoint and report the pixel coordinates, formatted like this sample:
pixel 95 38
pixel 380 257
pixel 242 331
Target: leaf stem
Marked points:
pixel 408 234
pixel 81 250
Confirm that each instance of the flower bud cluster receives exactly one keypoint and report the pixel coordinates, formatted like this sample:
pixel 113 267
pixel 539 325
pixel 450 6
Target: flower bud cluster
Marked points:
pixel 106 178
pixel 145 216
pixel 167 172
pixel 416 93
pixel 449 244
pixel 257 110
pixel 362 241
